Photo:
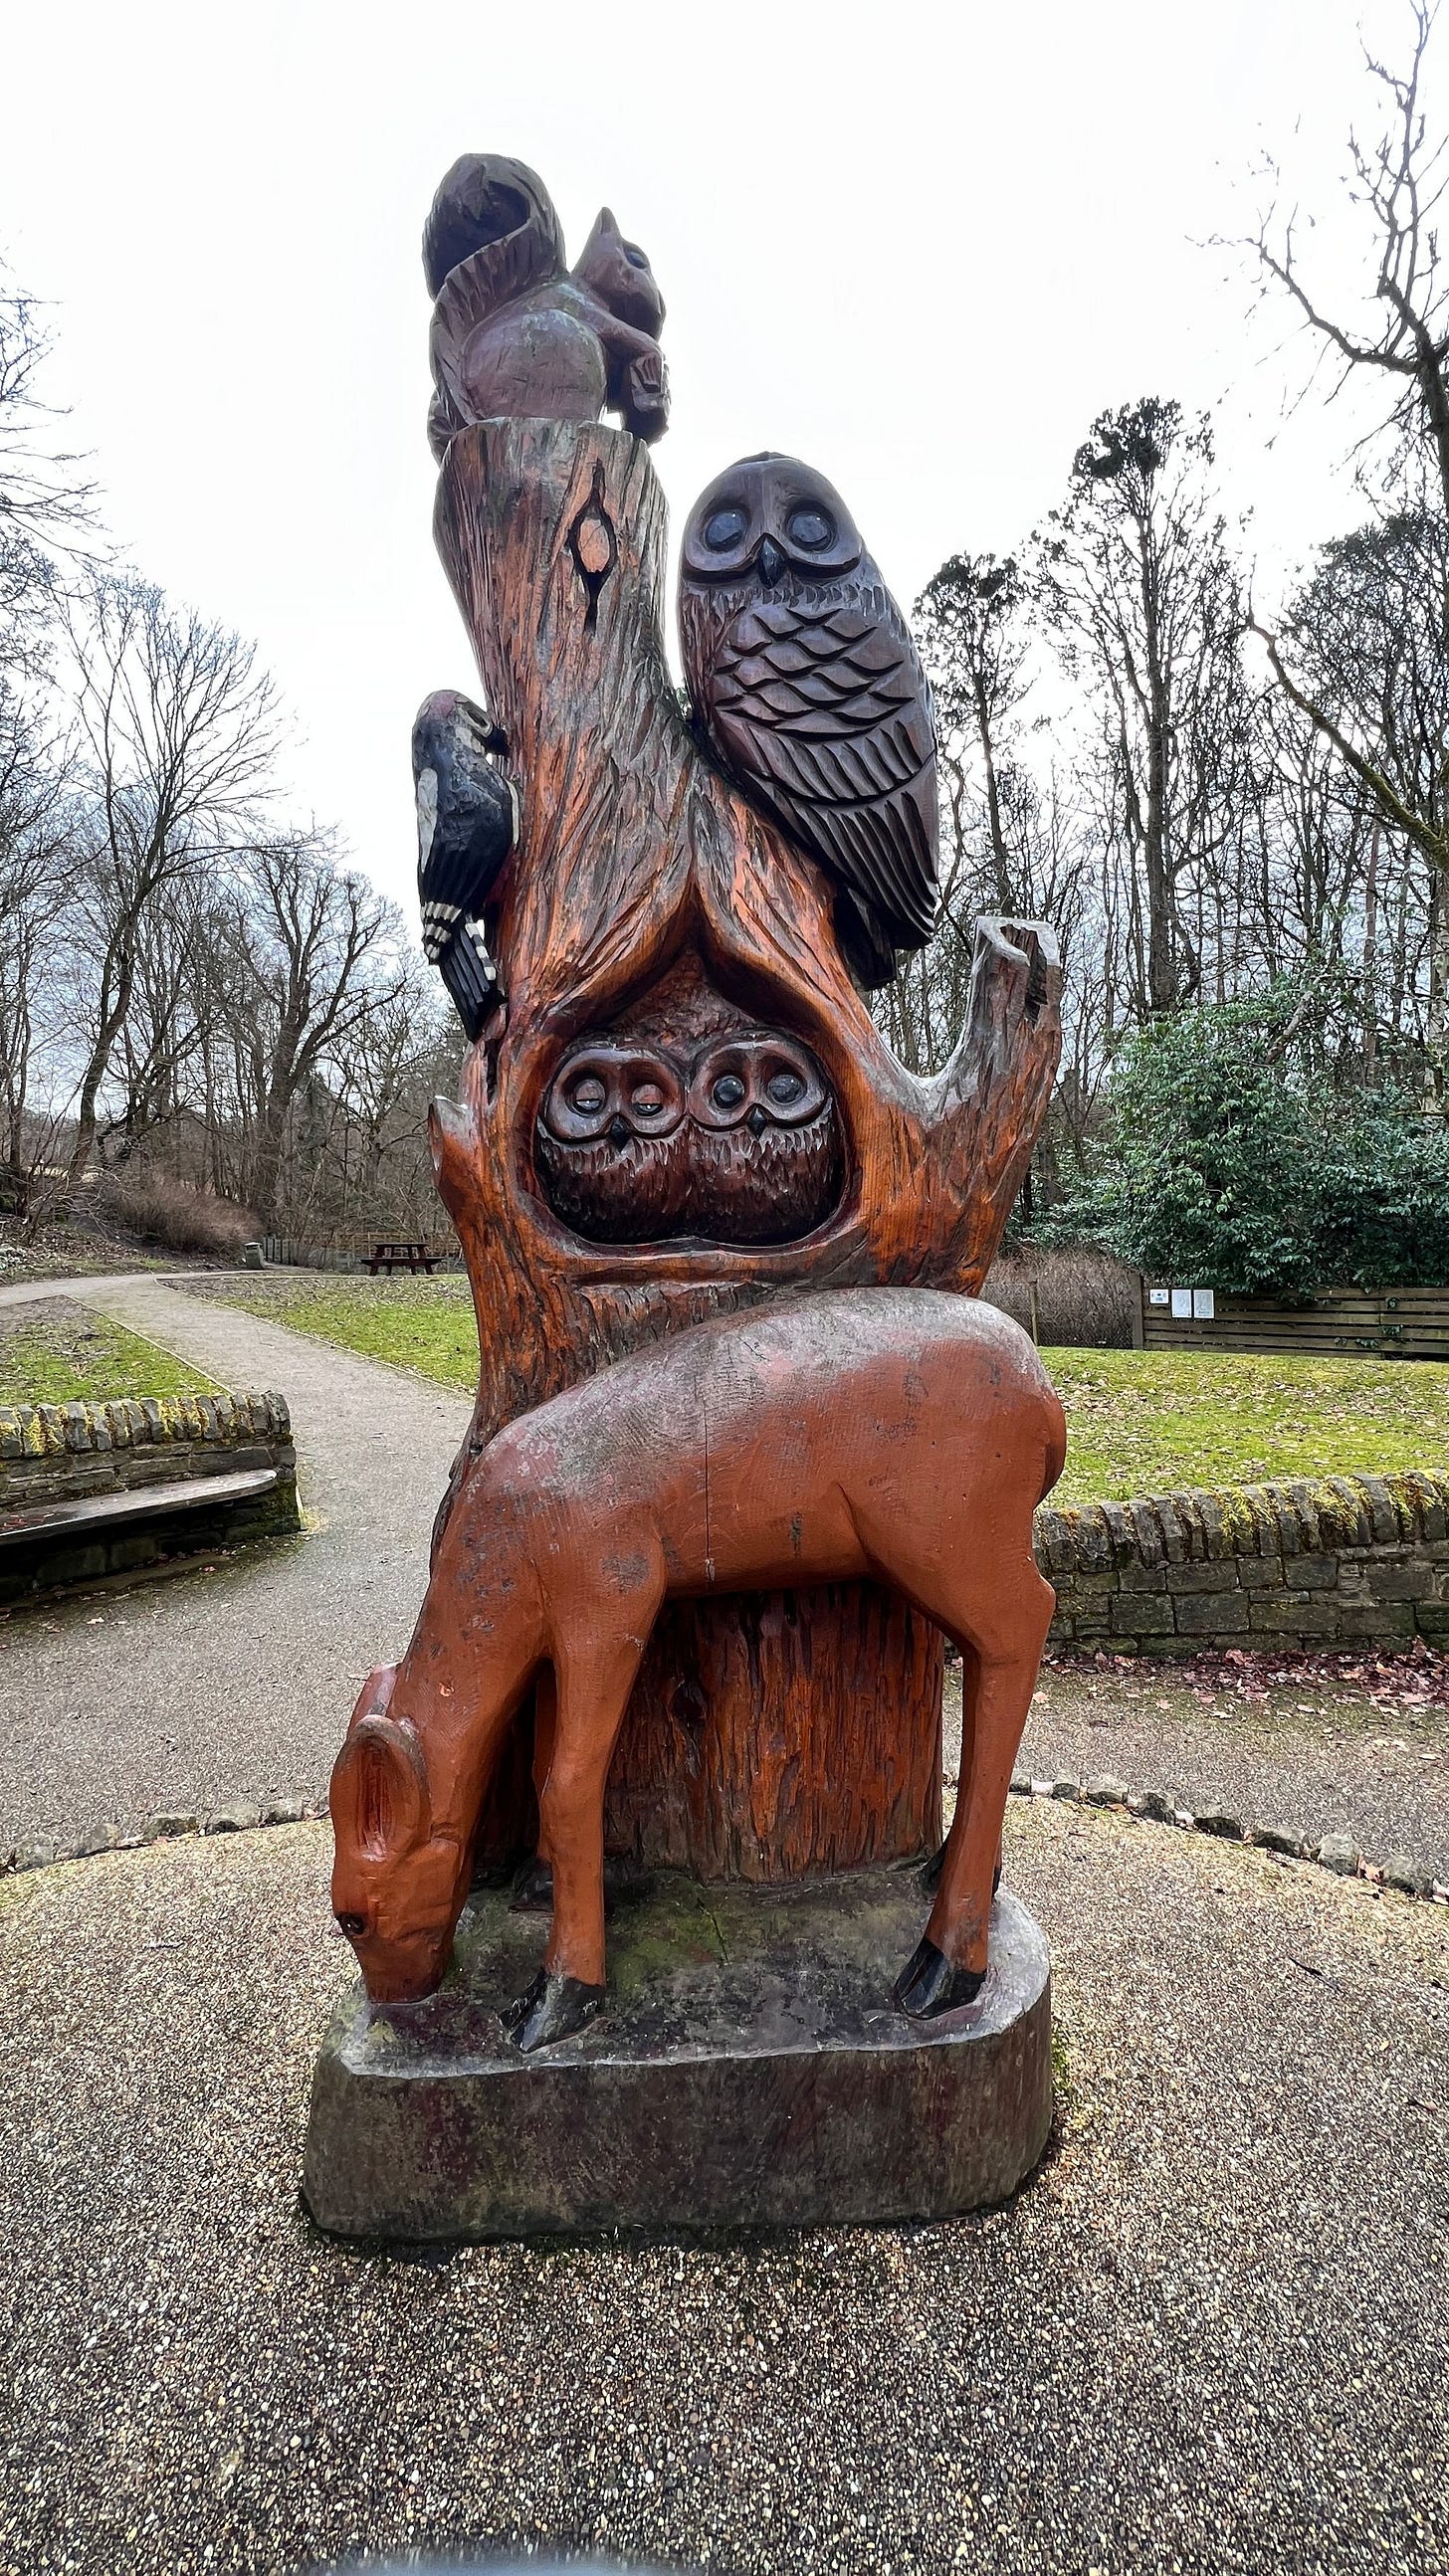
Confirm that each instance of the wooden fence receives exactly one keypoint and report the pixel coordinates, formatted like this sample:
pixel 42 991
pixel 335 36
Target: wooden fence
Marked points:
pixel 1391 1323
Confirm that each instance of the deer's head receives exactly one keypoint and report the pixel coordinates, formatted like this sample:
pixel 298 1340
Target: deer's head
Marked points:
pixel 397 1885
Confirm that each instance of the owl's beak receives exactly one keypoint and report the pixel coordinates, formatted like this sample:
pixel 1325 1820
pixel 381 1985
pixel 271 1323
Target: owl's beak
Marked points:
pixel 771 563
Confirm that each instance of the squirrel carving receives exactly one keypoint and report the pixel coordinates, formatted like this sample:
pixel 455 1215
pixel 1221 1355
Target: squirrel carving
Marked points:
pixel 515 333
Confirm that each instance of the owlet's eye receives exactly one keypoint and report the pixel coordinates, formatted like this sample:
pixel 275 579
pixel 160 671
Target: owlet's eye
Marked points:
pixel 724 528
pixel 810 528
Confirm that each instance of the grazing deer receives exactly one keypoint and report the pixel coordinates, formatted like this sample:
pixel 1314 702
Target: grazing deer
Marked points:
pixel 894 1435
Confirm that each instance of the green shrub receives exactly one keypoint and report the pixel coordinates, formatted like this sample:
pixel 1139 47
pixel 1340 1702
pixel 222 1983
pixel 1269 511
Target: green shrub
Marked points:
pixel 1225 1159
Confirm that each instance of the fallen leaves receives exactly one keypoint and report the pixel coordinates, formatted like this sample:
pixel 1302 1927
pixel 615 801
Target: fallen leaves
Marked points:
pixel 1412 1676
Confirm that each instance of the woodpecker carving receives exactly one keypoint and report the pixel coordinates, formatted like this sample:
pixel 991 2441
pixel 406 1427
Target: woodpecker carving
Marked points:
pixel 467 830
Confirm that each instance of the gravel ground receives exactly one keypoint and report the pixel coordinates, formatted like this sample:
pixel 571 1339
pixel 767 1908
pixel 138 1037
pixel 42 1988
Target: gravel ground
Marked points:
pixel 1212 2334
pixel 234 1684
pixel 1350 1766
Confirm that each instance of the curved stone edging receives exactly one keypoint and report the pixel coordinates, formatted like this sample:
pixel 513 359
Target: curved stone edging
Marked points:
pixel 1337 1853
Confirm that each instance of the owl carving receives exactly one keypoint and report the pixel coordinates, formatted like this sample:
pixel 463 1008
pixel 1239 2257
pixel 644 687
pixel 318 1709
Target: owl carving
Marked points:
pixel 809 691
pixel 733 1141
pixel 764 1141
pixel 612 1145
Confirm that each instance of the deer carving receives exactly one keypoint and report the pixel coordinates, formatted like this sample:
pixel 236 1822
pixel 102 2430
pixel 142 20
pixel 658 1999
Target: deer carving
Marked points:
pixel 894 1435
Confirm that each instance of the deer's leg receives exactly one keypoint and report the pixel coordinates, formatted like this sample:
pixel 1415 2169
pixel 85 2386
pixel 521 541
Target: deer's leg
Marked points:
pixel 533 1887
pixel 1001 1653
pixel 593 1692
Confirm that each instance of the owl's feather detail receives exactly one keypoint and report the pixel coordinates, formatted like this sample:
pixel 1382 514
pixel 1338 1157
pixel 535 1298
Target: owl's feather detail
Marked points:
pixel 812 696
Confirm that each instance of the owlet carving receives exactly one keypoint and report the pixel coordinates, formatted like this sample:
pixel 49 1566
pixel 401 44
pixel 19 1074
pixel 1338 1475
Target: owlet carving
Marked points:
pixel 810 693
pixel 612 1147
pixel 732 1141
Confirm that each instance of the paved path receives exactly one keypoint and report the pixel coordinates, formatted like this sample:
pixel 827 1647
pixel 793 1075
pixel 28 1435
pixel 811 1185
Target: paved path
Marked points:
pixel 1213 2333
pixel 236 1684
pixel 1384 1778
pixel 23 1292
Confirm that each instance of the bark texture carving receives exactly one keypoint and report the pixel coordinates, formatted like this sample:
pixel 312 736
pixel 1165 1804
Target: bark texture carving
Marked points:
pixel 768 1735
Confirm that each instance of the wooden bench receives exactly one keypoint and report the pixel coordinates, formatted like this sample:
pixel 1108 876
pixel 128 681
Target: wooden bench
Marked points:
pixel 103 1513
pixel 401 1256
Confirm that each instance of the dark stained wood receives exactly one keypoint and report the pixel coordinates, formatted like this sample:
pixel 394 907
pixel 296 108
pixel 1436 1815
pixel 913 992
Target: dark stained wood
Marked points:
pixel 515 333
pixel 734 1140
pixel 807 684
pixel 881 1436
pixel 641 871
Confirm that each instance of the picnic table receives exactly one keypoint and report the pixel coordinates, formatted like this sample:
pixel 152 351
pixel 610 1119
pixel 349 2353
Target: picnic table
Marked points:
pixel 401 1256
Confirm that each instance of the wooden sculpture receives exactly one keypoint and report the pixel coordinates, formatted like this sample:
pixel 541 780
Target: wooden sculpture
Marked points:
pixel 892 1435
pixel 678 1111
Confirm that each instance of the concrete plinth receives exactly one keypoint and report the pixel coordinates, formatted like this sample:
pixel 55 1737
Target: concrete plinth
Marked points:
pixel 749 2069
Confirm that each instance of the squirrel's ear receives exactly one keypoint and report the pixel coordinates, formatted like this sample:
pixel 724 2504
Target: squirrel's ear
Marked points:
pixel 605 230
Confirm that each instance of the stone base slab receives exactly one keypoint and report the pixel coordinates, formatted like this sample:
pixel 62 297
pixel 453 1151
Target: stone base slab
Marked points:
pixel 749 2069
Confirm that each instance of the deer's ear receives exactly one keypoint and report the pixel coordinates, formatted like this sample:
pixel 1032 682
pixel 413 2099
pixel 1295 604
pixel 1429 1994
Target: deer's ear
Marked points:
pixel 375 1694
pixel 379 1794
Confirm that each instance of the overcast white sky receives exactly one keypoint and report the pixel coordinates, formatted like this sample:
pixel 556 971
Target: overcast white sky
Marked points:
pixel 918 246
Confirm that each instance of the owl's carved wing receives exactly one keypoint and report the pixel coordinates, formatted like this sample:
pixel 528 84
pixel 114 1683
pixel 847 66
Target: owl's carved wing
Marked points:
pixel 825 708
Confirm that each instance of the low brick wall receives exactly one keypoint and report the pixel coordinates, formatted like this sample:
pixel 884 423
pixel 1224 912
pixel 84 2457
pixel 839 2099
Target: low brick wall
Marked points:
pixel 63 1453
pixel 1335 1560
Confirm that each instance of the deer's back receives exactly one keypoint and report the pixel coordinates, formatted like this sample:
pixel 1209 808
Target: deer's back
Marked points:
pixel 865 1389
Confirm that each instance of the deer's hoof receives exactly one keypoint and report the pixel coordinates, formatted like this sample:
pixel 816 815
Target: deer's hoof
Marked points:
pixel 552 2008
pixel 933 1984
pixel 532 1889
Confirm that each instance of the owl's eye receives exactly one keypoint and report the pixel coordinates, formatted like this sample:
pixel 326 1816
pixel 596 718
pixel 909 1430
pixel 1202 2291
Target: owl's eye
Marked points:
pixel 647 1099
pixel 784 1087
pixel 810 528
pixel 635 256
pixel 588 1095
pixel 724 528
pixel 728 1092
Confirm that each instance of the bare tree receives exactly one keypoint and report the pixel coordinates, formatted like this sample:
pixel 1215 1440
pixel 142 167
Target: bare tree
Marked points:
pixel 1140 590
pixel 1398 184
pixel 971 622
pixel 323 959
pixel 37 875
pixel 46 503
pixel 178 733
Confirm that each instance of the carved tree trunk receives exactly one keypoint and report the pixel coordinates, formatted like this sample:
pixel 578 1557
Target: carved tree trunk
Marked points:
pixel 768 1735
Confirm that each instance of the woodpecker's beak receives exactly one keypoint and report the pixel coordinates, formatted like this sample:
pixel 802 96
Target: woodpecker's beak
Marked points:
pixel 771 563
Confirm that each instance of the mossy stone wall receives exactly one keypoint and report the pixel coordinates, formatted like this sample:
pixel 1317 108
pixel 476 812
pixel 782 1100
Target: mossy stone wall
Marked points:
pixel 1341 1560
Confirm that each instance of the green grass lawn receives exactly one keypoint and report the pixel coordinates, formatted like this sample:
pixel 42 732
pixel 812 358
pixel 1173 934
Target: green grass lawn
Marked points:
pixel 1140 1422
pixel 54 1351
pixel 423 1324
